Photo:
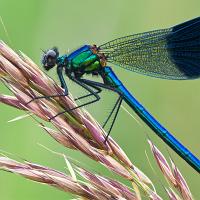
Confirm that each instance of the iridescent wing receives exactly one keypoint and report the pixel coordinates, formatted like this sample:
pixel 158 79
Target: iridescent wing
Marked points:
pixel 172 53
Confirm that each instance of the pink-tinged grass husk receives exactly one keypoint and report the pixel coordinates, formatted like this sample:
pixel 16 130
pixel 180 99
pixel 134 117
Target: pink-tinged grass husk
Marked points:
pixel 88 190
pixel 172 175
pixel 77 130
pixel 172 195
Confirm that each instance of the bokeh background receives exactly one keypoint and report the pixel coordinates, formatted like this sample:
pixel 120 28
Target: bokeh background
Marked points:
pixel 32 25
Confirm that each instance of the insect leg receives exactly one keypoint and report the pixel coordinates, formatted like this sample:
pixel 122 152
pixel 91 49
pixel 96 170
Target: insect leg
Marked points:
pixel 63 85
pixel 116 106
pixel 98 90
pixel 79 82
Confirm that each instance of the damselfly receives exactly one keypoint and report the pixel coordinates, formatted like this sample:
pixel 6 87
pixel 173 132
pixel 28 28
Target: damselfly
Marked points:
pixel 172 53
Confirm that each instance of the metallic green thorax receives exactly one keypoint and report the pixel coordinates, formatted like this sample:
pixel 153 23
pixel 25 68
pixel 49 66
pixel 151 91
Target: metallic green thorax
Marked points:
pixel 83 61
pixel 86 60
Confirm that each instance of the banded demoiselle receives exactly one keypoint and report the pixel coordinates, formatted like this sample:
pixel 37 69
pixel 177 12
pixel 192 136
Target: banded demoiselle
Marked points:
pixel 172 53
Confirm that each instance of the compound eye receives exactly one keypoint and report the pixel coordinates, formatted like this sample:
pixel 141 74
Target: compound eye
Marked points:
pixel 49 58
pixel 51 53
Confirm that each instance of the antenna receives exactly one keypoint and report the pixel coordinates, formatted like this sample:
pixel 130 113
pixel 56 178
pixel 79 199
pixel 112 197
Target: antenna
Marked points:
pixel 42 50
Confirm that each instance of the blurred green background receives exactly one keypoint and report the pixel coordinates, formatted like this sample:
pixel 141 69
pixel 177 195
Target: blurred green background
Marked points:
pixel 36 24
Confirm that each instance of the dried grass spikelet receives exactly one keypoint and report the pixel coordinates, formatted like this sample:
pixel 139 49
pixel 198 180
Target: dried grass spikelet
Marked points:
pixel 172 175
pixel 76 130
pixel 96 187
